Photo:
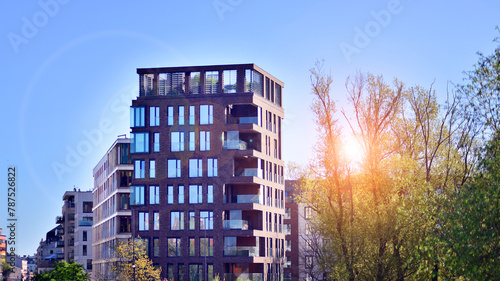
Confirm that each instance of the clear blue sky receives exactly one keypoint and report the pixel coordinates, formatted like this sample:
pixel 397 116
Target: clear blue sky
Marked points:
pixel 69 66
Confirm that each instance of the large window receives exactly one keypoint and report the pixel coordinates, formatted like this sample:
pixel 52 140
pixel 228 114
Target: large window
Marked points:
pixel 156 142
pixel 154 194
pixel 156 221
pixel 192 245
pixel 254 82
pixel 206 247
pixel 210 193
pixel 152 169
pixel 139 142
pixel 176 220
pixel 206 220
pixel 192 218
pixel 181 115
pixel 170 115
pixel 137 117
pixel 229 81
pixel 195 82
pixel 195 272
pixel 177 141
pixel 137 195
pixel 212 167
pixel 204 140
pixel 195 168
pixel 192 141
pixel 171 83
pixel 191 115
pixel 174 247
pixel 154 116
pixel 174 168
pixel 156 247
pixel 206 114
pixel 181 194
pixel 143 221
pixel 170 194
pixel 211 82
pixel 195 194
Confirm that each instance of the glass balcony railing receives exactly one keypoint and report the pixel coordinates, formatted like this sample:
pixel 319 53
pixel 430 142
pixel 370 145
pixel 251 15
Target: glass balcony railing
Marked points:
pixel 251 172
pixel 243 276
pixel 84 223
pixel 243 120
pixel 234 144
pixel 240 251
pixel 235 224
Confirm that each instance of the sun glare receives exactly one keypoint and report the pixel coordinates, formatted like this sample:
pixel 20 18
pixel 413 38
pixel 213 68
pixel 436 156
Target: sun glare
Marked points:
pixel 353 151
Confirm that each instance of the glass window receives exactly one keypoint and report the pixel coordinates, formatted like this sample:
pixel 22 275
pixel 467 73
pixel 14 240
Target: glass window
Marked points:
pixel 174 247
pixel 137 195
pixel 176 220
pixel 254 82
pixel 204 140
pixel 156 247
pixel 154 194
pixel 192 245
pixel 143 221
pixel 191 114
pixel 146 87
pixel 195 272
pixel 229 81
pixel 206 247
pixel 170 116
pixel 152 169
pixel 181 115
pixel 137 116
pixel 177 141
pixel 206 114
pixel 174 168
pixel 212 167
pixel 84 235
pixel 211 82
pixel 154 116
pixel 181 194
pixel 206 220
pixel 195 168
pixel 156 221
pixel 171 83
pixel 170 271
pixel 192 221
pixel 156 142
pixel 139 142
pixel 195 83
pixel 84 250
pixel 210 193
pixel 192 141
pixel 277 93
pixel 195 194
pixel 170 194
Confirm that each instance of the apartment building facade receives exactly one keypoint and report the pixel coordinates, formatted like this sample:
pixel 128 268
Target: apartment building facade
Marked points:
pixel 76 231
pixel 207 192
pixel 111 197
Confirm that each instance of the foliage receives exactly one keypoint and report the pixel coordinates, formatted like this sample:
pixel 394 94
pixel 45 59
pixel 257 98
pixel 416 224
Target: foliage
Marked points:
pixel 131 261
pixel 6 270
pixel 64 271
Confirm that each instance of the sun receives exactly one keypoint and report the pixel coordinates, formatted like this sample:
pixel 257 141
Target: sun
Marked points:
pixel 352 151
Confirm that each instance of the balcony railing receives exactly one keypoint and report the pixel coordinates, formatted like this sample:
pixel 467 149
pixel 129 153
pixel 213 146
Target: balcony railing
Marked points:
pixel 243 120
pixel 247 198
pixel 59 231
pixel 235 224
pixel 84 223
pixel 59 219
pixel 71 217
pixel 234 144
pixel 60 256
pixel 60 244
pixel 240 251
pixel 251 172
pixel 243 276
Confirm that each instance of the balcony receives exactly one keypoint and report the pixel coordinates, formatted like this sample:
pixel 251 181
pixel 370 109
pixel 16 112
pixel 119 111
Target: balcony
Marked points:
pixel 235 224
pixel 59 231
pixel 234 144
pixel 59 219
pixel 71 230
pixel 71 243
pixel 244 114
pixel 60 256
pixel 245 199
pixel 239 251
pixel 243 276
pixel 84 223
pixel 71 217
pixel 251 172
pixel 60 244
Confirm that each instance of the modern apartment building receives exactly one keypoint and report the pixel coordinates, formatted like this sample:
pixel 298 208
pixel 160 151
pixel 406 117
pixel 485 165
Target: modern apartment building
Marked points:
pixel 50 250
pixel 207 192
pixel 111 195
pixel 76 220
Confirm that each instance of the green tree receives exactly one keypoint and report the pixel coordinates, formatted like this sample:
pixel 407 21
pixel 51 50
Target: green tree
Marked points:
pixel 130 259
pixel 64 271
pixel 6 270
